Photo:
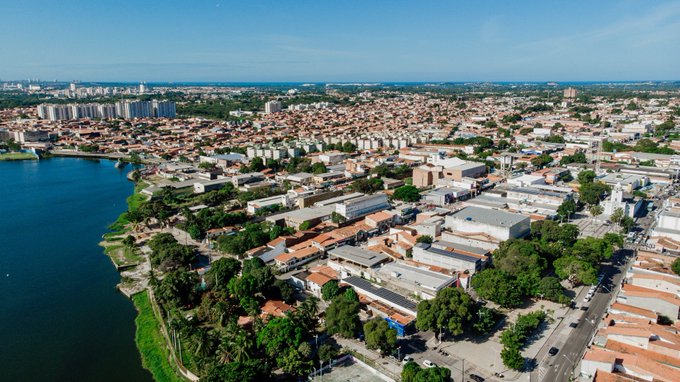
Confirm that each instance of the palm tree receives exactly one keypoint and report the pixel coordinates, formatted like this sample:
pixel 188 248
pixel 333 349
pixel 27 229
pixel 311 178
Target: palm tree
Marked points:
pixel 203 342
pixel 307 312
pixel 617 216
pixel 596 210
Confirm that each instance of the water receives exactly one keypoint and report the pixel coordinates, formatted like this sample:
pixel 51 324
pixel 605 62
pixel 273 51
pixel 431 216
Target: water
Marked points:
pixel 61 318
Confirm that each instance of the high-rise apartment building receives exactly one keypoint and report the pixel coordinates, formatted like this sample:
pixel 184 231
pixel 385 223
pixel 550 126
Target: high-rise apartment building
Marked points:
pixel 164 109
pixel 272 107
pixel 134 109
pixel 570 93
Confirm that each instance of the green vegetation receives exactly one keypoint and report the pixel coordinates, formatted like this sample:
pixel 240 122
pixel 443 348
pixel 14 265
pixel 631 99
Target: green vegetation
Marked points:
pixel 251 236
pixel 676 266
pixel 168 254
pixel 424 239
pixel 407 194
pixel 412 372
pixel 514 337
pixel 151 343
pixel 643 145
pixel 452 309
pixel 14 156
pixel 342 315
pixel 330 290
pixel 367 185
pixel 380 336
pixel 525 267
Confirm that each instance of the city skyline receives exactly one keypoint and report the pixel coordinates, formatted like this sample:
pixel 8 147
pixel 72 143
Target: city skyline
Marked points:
pixel 219 41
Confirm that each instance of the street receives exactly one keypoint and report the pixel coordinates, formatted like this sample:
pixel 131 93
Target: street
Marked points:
pixel 572 342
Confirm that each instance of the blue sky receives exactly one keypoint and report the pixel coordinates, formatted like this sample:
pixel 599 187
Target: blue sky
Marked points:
pixel 323 40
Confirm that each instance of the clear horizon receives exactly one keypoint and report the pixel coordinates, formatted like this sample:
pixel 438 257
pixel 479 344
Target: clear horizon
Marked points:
pixel 352 41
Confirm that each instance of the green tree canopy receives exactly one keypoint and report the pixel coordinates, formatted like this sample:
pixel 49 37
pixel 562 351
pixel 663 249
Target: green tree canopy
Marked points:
pixel 407 193
pixel 221 272
pixel 452 309
pixel 380 336
pixel 342 315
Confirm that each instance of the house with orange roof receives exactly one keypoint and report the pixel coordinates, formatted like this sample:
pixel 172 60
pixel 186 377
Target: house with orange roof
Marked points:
pixel 667 304
pixel 290 260
pixel 275 308
pixel 654 280
pixel 315 281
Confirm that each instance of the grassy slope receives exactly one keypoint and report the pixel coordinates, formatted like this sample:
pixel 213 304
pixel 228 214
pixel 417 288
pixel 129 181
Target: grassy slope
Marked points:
pixel 133 202
pixel 150 341
pixel 17 156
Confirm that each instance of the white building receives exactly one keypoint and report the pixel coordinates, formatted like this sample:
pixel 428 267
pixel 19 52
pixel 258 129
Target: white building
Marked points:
pixel 499 224
pixel 446 259
pixel 362 206
pixel 272 107
pixel 256 205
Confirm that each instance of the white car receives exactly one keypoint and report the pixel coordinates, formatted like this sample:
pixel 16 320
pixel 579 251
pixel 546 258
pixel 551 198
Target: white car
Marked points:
pixel 407 358
pixel 428 363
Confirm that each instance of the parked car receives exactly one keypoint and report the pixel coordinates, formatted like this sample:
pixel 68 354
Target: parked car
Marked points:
pixel 406 359
pixel 476 378
pixel 553 350
pixel 428 363
pixel 573 324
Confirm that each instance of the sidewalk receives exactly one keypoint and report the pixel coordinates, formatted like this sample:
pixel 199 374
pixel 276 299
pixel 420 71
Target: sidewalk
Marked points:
pixel 386 365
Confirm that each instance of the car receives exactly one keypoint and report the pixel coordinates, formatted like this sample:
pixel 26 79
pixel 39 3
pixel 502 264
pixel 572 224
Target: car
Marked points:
pixel 587 298
pixel 573 324
pixel 553 350
pixel 407 359
pixel 428 363
pixel 476 378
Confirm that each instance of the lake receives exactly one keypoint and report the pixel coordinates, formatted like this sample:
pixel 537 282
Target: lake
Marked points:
pixel 61 318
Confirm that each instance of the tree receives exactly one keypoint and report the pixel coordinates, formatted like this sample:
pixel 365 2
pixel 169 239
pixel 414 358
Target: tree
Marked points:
pixel 517 257
pixel 330 290
pixel 407 193
pixel 327 352
pixel 319 168
pixel 280 333
pixel 497 286
pixel 207 165
pixel 627 223
pixel 380 336
pixel 349 147
pixel 512 358
pixel 410 371
pixel 424 239
pixel 617 216
pixel 485 321
pixel 342 315
pixel 256 164
pixel 676 266
pixel 566 209
pixel 178 288
pixel 434 374
pixel 221 272
pixel 295 362
pixel 592 193
pixel 586 176
pixel 541 160
pixel 576 270
pixel 596 210
pixel 337 218
pixel 129 241
pixel 551 289
pixel 452 309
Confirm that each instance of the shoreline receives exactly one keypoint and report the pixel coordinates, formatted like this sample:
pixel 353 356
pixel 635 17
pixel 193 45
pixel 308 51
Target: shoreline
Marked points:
pixel 18 156
pixel 150 340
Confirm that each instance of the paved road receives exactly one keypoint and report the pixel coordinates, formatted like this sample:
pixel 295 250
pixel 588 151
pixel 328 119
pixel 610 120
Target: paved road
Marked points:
pixel 559 367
